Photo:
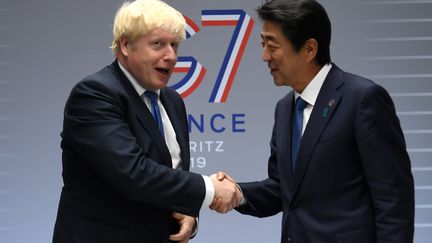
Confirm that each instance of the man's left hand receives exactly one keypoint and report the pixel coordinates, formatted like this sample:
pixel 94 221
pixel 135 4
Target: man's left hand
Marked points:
pixel 187 224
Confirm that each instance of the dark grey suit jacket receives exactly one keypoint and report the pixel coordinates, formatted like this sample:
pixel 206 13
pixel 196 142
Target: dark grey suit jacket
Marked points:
pixel 353 181
pixel 119 185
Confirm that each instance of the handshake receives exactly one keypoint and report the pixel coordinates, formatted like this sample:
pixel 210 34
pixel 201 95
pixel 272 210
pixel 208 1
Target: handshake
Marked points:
pixel 227 193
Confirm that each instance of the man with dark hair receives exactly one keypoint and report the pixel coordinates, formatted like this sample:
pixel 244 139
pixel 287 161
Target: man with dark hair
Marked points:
pixel 338 169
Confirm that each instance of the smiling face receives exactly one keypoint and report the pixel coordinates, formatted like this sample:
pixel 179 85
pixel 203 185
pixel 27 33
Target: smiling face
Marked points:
pixel 151 58
pixel 287 66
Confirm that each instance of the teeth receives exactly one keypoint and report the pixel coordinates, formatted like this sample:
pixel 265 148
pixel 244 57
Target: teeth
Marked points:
pixel 163 70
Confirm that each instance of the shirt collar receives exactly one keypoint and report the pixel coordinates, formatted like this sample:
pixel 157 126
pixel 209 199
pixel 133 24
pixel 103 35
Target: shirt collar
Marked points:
pixel 310 93
pixel 139 89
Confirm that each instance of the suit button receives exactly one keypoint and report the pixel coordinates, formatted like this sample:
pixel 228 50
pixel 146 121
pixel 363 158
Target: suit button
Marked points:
pixel 293 205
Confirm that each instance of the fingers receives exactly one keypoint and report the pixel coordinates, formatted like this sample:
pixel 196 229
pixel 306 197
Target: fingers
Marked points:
pixel 226 176
pixel 224 208
pixel 182 236
pixel 218 206
pixel 227 193
pixel 178 216
pixel 216 203
pixel 220 175
pixel 186 225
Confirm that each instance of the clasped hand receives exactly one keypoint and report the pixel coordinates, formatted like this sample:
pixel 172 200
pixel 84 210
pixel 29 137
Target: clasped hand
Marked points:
pixel 227 193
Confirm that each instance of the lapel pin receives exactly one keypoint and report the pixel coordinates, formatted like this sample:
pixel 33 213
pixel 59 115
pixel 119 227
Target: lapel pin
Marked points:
pixel 331 102
pixel 325 112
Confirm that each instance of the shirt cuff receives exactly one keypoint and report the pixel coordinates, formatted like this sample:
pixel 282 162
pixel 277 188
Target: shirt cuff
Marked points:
pixel 243 199
pixel 210 192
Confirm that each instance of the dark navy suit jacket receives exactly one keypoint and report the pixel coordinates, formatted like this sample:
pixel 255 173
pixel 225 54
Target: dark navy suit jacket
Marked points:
pixel 119 185
pixel 353 181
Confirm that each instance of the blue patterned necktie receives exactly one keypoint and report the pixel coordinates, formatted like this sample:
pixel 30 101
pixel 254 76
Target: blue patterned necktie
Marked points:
pixel 153 96
pixel 300 104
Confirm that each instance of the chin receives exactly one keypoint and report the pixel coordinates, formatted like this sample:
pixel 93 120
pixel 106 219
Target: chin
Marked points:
pixel 160 84
pixel 277 83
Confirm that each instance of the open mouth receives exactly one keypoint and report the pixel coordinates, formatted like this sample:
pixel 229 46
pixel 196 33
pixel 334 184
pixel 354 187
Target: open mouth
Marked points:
pixel 272 68
pixel 164 71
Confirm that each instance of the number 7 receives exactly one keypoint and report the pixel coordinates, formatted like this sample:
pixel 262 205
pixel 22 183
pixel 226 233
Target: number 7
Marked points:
pixel 195 71
pixel 244 24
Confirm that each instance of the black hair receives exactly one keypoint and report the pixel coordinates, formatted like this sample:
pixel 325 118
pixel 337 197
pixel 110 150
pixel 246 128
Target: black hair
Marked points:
pixel 301 20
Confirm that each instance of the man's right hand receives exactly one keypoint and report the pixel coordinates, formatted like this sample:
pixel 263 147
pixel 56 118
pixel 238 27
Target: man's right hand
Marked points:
pixel 227 193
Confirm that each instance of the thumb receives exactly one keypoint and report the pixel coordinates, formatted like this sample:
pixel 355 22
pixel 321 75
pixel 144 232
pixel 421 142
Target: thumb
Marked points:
pixel 177 216
pixel 220 176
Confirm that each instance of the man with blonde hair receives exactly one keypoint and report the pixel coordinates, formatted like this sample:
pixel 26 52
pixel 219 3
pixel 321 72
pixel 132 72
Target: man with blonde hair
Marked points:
pixel 125 142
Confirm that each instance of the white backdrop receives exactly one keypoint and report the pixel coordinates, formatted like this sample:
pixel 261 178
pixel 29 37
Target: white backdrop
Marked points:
pixel 47 46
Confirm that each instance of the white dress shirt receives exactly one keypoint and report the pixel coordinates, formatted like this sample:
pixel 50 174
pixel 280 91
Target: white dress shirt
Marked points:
pixel 310 93
pixel 170 135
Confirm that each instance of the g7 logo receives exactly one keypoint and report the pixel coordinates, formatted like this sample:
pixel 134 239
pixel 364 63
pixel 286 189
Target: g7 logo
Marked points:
pixel 195 72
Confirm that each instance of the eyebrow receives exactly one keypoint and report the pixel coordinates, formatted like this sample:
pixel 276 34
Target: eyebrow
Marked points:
pixel 268 37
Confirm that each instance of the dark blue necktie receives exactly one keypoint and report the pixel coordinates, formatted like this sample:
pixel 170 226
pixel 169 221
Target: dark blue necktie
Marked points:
pixel 155 109
pixel 297 124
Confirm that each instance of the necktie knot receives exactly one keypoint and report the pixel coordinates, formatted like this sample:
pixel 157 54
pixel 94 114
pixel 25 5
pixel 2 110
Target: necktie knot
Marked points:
pixel 151 95
pixel 300 104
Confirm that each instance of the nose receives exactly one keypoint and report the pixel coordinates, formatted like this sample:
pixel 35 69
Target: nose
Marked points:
pixel 170 54
pixel 266 57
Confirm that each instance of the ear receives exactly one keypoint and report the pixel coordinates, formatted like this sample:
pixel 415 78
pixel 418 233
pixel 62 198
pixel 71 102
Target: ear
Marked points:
pixel 311 49
pixel 124 46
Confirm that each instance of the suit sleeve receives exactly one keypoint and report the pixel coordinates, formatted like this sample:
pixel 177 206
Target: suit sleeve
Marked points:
pixel 95 126
pixel 387 166
pixel 263 198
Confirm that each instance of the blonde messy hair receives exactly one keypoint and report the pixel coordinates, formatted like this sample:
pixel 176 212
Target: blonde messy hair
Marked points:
pixel 141 17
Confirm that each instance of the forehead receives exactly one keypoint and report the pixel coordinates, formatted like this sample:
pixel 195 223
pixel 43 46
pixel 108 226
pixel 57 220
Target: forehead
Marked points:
pixel 163 34
pixel 271 31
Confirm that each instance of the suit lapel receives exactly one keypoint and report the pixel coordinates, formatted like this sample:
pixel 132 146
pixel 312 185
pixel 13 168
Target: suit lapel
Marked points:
pixel 285 124
pixel 144 117
pixel 326 104
pixel 175 121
